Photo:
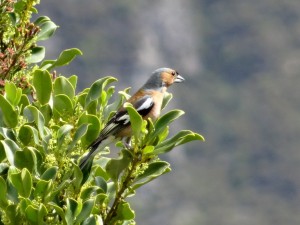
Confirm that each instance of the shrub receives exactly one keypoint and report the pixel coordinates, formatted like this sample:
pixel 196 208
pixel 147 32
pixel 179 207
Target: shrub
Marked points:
pixel 45 126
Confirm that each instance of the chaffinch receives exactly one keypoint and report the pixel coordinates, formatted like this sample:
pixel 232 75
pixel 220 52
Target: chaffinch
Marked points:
pixel 147 101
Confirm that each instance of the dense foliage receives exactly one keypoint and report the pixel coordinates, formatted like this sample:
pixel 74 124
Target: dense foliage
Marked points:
pixel 45 126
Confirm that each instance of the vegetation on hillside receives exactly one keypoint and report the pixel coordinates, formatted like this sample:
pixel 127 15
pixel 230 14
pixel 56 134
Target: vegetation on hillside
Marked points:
pixel 46 126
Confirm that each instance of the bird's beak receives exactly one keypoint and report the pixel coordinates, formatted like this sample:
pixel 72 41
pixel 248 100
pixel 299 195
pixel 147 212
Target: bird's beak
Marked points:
pixel 179 79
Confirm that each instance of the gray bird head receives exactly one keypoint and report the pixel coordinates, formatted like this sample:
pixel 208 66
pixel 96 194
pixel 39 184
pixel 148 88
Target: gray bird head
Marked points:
pixel 163 77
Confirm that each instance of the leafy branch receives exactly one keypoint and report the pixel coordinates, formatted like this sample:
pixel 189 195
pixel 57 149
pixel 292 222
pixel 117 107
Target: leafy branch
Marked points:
pixel 46 126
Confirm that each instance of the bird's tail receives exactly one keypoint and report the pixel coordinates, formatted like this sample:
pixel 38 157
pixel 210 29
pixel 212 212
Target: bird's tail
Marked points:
pixel 95 147
pixel 90 155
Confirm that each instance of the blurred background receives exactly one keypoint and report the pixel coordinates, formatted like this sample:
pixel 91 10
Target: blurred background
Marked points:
pixel 241 61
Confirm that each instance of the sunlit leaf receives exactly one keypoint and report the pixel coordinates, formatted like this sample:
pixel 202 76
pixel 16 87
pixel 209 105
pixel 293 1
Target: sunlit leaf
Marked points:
pixel 124 212
pixel 63 105
pixel 59 211
pixel 9 115
pixel 73 80
pixel 25 159
pixel 70 213
pixel 35 215
pixel 96 89
pixel 37 55
pixel 10 148
pixel 87 207
pixel 28 135
pixel 22 181
pixel 116 166
pixel 42 84
pixel 47 29
pixel 79 133
pixel 163 122
pixel 153 171
pixel 12 93
pixel 65 57
pixel 180 138
pixel 93 128
pixel 62 133
pixel 43 189
pixel 32 114
pixel 136 120
pixel 50 173
pixel 3 192
pixel 167 98
pixel 63 86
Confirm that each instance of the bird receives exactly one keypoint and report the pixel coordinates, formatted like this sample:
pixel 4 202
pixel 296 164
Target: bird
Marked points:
pixel 147 101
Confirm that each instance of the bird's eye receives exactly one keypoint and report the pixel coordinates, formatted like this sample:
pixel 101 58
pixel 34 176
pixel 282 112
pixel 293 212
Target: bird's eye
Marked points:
pixel 173 73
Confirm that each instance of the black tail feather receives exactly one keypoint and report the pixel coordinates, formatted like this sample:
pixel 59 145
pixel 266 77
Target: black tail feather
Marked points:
pixel 93 147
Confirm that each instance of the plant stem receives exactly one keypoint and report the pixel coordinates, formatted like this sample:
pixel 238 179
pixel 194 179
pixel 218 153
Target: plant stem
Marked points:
pixel 119 196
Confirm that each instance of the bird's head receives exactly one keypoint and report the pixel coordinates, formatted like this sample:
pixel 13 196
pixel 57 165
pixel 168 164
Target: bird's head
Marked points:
pixel 163 77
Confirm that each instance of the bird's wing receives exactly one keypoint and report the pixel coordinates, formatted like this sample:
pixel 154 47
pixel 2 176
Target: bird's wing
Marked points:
pixel 121 119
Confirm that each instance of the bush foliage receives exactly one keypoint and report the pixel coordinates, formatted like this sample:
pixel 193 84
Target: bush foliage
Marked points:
pixel 45 126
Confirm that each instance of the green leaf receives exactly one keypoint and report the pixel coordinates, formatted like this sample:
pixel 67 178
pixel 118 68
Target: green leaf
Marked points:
pixel 12 193
pixel 93 128
pixel 10 147
pixel 37 55
pixel 47 112
pixel 9 115
pixel 62 133
pixel 180 138
pixel 32 114
pixel 164 121
pixel 73 80
pixel 99 171
pixel 101 183
pixel 167 98
pixel 91 220
pixel 124 212
pixel 153 171
pixel 19 6
pixel 47 30
pixel 96 89
pixel 63 105
pixel 116 166
pixel 78 177
pixel 81 98
pixel 42 84
pixel 63 86
pixel 41 20
pixel 79 133
pixel 136 120
pixel 46 64
pixel 12 93
pixel 88 192
pixel 22 181
pixel 13 18
pixel 7 133
pixel 13 214
pixel 86 211
pixel 50 173
pixel 36 215
pixel 66 57
pixel 3 192
pixel 43 189
pixel 25 159
pixel 71 211
pixel 148 149
pixel 59 211
pixel 28 135
pixel 23 102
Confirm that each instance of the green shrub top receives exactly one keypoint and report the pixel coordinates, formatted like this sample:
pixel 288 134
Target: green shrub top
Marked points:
pixel 46 126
